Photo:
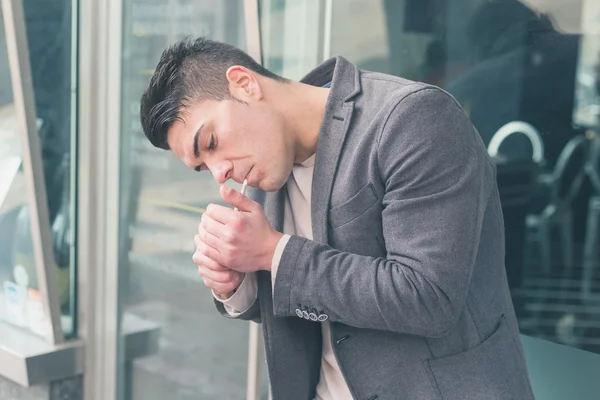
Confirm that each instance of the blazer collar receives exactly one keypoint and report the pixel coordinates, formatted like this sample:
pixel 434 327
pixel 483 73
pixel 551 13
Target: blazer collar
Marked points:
pixel 343 75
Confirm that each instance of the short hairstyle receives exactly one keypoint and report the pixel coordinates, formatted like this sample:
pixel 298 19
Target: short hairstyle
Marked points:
pixel 189 71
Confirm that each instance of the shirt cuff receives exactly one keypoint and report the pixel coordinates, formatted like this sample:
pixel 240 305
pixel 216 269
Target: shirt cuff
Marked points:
pixel 243 298
pixel 277 258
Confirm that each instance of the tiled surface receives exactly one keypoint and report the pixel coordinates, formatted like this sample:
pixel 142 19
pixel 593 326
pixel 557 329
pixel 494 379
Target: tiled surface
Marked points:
pixel 11 391
pixel 68 389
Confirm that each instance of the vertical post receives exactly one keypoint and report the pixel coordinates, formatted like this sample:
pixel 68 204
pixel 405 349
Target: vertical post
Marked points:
pixel 255 346
pixel 100 38
pixel 253 39
pixel 33 168
pixel 327 26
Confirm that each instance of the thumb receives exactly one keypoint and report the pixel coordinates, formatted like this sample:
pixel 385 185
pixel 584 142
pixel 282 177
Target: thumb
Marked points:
pixel 236 199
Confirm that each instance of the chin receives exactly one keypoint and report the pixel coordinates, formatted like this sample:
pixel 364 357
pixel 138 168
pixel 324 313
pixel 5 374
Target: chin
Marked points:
pixel 270 186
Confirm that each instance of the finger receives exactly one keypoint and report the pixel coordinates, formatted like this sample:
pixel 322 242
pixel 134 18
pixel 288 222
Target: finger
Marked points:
pixel 222 276
pixel 209 252
pixel 221 288
pixel 212 226
pixel 236 199
pixel 206 237
pixel 204 261
pixel 220 213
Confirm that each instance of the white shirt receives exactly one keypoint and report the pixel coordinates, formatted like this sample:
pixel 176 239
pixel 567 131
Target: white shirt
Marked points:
pixel 297 221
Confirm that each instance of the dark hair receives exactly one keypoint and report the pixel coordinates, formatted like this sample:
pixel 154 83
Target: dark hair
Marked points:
pixel 189 71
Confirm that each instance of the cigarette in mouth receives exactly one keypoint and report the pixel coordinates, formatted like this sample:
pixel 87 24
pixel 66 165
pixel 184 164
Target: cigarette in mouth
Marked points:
pixel 243 191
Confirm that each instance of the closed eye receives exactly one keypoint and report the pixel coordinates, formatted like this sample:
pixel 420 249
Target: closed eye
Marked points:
pixel 212 145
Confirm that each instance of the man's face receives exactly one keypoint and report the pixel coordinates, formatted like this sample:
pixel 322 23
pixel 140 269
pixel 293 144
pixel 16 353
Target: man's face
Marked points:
pixel 235 140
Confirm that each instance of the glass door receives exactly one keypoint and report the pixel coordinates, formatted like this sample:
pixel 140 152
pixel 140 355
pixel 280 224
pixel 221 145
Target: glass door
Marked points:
pixel 199 354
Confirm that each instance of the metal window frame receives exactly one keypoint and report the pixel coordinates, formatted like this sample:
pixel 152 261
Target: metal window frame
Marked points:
pixel 100 41
pixel 33 169
pixel 327 29
pixel 255 344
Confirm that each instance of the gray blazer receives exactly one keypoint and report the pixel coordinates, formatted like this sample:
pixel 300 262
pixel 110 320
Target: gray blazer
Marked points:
pixel 407 260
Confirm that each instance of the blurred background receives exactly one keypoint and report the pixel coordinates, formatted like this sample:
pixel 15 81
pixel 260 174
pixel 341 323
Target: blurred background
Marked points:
pixel 99 297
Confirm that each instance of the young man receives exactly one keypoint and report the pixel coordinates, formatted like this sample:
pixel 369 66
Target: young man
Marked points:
pixel 377 265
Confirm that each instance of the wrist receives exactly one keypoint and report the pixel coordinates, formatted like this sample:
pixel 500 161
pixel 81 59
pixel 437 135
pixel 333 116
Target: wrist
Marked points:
pixel 272 245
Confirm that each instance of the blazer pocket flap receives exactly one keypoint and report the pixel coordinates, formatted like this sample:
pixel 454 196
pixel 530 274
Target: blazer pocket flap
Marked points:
pixel 353 207
pixel 494 369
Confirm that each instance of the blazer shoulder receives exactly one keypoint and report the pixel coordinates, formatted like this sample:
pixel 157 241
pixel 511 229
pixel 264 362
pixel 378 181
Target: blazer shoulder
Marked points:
pixel 394 86
pixel 424 112
pixel 388 91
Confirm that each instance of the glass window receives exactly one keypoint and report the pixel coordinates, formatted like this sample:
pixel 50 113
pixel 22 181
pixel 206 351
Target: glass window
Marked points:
pixel 17 268
pixel 201 354
pixel 292 36
pixel 49 43
pixel 526 72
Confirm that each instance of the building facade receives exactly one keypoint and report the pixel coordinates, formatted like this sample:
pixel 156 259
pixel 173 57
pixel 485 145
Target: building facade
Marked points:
pixel 99 297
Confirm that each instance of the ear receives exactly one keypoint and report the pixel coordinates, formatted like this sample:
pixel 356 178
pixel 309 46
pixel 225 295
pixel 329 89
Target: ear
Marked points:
pixel 243 84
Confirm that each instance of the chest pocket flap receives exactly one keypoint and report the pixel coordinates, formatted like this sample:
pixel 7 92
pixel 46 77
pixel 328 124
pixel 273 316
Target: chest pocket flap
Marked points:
pixel 353 207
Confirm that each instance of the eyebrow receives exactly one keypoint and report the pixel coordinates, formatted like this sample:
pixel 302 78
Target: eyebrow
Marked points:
pixel 196 137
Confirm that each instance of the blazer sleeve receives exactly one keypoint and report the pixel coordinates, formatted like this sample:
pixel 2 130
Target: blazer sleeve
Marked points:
pixel 438 179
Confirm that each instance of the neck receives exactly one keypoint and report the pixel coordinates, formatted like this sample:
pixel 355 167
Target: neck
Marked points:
pixel 304 110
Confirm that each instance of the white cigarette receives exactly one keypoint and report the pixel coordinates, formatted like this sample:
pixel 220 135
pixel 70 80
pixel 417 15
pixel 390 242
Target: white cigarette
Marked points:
pixel 243 191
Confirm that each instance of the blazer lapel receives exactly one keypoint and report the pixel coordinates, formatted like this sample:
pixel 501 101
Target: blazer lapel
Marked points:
pixel 274 207
pixel 329 147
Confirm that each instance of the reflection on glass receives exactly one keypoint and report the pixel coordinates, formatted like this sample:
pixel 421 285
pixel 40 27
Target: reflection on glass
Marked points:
pixel 201 354
pixel 526 72
pixel 20 301
pixel 49 39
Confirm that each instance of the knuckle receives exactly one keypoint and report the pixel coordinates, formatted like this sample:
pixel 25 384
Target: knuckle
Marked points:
pixel 231 276
pixel 229 236
pixel 202 235
pixel 197 258
pixel 237 221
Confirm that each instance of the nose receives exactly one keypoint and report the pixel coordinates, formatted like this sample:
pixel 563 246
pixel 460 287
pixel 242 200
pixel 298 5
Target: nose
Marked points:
pixel 221 171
